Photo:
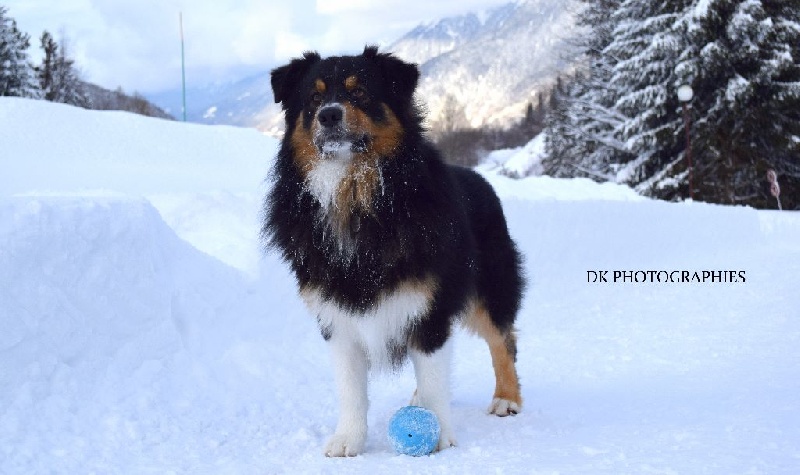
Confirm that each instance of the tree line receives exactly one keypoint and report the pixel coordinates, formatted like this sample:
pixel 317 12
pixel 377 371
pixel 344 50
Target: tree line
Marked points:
pixel 621 120
pixel 56 78
pixel 466 146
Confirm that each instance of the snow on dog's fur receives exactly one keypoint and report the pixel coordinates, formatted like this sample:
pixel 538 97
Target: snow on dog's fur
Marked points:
pixel 390 246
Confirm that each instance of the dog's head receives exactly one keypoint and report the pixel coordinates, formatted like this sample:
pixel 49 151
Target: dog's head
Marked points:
pixel 351 107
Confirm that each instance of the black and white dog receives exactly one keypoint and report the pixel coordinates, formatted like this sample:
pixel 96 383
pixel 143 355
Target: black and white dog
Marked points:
pixel 390 246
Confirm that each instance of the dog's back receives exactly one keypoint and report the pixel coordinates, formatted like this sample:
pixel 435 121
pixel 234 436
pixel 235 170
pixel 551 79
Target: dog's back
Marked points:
pixel 499 281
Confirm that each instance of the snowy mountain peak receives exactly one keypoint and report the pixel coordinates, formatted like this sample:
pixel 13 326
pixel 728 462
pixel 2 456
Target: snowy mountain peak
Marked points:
pixel 430 40
pixel 483 69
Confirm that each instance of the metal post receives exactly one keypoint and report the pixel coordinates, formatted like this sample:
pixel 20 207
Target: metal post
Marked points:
pixel 688 148
pixel 685 95
pixel 183 67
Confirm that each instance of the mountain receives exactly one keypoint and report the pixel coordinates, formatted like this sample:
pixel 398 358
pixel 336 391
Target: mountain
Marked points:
pixel 246 102
pixel 428 41
pixel 477 69
pixel 485 69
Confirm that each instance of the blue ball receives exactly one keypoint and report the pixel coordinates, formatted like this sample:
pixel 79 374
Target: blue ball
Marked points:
pixel 414 431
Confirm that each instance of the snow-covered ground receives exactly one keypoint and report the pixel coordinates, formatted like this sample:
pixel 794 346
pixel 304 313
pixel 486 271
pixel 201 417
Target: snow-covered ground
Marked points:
pixel 518 162
pixel 143 331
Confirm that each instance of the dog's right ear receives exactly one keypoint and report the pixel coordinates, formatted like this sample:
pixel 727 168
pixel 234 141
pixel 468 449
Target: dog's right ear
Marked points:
pixel 402 77
pixel 285 79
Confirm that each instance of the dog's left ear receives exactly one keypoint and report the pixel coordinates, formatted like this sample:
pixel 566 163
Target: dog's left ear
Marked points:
pixel 285 79
pixel 402 77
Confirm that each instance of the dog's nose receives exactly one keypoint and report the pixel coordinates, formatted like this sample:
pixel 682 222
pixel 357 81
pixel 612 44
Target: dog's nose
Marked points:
pixel 330 116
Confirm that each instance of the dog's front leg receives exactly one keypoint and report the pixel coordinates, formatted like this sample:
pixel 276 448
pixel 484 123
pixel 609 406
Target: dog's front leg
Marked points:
pixel 433 388
pixel 350 368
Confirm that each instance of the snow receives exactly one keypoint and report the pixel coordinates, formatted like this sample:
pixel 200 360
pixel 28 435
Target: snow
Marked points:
pixel 545 188
pixel 503 169
pixel 701 8
pixel 210 113
pixel 520 162
pixel 144 332
pixel 737 86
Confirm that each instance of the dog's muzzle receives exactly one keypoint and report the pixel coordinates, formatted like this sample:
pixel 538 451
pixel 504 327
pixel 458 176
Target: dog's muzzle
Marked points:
pixel 333 137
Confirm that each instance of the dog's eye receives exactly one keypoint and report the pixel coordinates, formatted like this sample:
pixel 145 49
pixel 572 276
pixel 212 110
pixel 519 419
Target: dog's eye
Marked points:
pixel 316 98
pixel 358 93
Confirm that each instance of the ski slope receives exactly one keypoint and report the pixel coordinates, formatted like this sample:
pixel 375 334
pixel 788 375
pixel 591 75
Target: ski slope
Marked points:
pixel 143 330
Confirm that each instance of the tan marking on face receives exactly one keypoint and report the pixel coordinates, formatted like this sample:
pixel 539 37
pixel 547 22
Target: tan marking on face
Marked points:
pixel 305 152
pixel 500 346
pixel 351 82
pixel 386 136
pixel 320 85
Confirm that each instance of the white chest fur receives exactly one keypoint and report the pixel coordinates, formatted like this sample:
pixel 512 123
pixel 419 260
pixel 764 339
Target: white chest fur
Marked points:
pixel 326 176
pixel 379 329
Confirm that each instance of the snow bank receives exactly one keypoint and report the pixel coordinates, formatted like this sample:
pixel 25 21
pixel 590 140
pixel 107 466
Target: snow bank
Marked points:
pixel 518 162
pixel 99 301
pixel 55 147
pixel 125 349
pixel 196 175
pixel 545 188
pixel 516 174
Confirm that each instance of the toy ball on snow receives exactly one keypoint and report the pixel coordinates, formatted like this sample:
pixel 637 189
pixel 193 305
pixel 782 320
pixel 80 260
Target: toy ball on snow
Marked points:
pixel 414 431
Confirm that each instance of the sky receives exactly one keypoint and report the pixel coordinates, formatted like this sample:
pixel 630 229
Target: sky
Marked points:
pixel 136 44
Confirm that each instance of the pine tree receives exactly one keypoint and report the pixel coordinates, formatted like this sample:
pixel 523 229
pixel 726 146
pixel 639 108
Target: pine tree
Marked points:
pixel 594 108
pixel 16 73
pixel 58 78
pixel 581 131
pixel 742 58
pixel 530 115
pixel 646 47
pixel 539 113
pixel 747 77
pixel 45 72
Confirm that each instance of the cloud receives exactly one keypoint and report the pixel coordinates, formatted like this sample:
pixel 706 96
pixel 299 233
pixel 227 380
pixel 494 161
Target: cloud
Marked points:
pixel 329 7
pixel 220 39
pixel 136 44
pixel 289 45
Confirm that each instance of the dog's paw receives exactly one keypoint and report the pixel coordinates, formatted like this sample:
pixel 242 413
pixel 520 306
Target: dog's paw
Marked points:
pixel 503 407
pixel 446 440
pixel 344 445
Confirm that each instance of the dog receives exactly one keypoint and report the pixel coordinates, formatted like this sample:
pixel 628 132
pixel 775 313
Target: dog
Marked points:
pixel 390 246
